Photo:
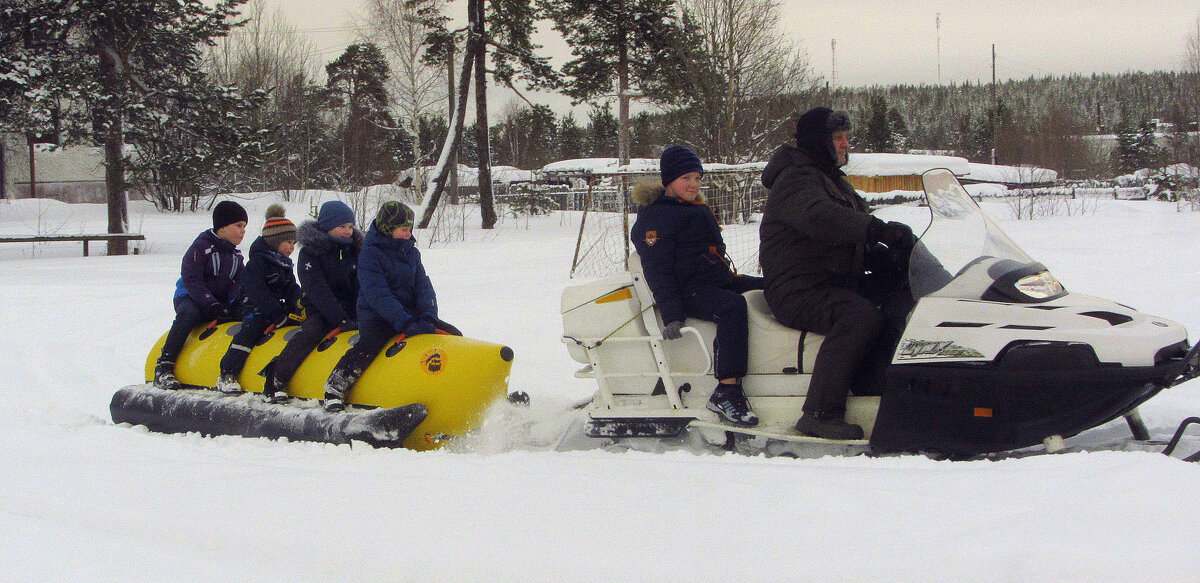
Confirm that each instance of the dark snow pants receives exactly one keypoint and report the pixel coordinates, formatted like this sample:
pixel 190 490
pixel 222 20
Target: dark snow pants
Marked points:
pixel 246 338
pixel 188 315
pixel 861 326
pixel 727 308
pixel 373 335
pixel 312 331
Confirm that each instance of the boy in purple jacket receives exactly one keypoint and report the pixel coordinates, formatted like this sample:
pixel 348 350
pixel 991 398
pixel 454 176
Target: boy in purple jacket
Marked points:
pixel 209 286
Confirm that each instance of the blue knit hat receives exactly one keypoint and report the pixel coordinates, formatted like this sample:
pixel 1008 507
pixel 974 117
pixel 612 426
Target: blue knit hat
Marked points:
pixel 334 213
pixel 677 161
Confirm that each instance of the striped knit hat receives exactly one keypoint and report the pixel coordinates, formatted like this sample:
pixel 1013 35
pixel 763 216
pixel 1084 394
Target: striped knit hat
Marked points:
pixel 277 229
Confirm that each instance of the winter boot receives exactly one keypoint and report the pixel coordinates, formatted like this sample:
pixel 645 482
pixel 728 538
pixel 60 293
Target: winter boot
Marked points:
pixel 334 404
pixel 164 376
pixel 729 402
pixel 276 397
pixel 827 426
pixel 228 384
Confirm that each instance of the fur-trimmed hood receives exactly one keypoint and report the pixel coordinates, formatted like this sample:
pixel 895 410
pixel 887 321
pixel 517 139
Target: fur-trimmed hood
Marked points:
pixel 646 192
pixel 320 242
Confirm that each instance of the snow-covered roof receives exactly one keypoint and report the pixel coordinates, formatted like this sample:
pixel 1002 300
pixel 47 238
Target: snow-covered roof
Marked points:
pixel 1010 174
pixel 602 166
pixel 883 164
pixel 468 176
pixel 636 166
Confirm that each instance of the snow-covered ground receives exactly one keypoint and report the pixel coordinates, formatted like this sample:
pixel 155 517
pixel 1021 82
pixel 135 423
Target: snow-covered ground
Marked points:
pixel 84 500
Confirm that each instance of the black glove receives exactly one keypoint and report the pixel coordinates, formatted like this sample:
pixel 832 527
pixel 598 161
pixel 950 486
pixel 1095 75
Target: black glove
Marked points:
pixel 218 312
pixel 348 325
pixel 418 327
pixel 671 330
pixel 893 234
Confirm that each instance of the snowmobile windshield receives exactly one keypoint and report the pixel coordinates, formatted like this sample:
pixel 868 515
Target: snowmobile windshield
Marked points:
pixel 964 253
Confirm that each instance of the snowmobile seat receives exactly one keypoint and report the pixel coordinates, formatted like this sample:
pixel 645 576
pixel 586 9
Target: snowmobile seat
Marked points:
pixel 775 348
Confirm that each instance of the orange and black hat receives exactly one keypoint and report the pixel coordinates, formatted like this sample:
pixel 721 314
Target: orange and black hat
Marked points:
pixel 277 229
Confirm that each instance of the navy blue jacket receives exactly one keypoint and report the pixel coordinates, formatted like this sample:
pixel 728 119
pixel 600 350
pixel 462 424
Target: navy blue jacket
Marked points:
pixel 211 272
pixel 680 247
pixel 392 282
pixel 271 288
pixel 329 272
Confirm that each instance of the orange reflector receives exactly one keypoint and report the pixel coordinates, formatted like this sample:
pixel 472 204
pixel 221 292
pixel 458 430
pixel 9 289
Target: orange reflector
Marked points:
pixel 983 412
pixel 621 294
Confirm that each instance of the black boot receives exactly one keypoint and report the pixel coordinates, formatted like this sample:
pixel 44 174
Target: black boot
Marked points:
pixel 164 376
pixel 334 404
pixel 827 426
pixel 729 402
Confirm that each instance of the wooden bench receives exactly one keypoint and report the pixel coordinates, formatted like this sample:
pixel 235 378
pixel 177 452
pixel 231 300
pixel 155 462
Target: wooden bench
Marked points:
pixel 84 238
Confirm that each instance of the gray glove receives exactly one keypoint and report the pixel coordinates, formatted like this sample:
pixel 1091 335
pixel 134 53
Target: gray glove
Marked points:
pixel 671 330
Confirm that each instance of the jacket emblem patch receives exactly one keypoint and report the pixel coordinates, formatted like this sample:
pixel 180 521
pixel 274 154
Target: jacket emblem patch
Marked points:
pixel 651 238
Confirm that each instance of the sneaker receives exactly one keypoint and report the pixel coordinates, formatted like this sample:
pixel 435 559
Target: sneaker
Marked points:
pixel 827 426
pixel 334 405
pixel 228 384
pixel 729 403
pixel 276 398
pixel 164 377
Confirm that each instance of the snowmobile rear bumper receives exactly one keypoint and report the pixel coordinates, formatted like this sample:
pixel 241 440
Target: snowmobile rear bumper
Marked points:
pixel 1033 391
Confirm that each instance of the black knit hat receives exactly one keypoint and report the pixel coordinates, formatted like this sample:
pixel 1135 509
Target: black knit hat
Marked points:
pixel 277 229
pixel 677 161
pixel 227 213
pixel 814 134
pixel 391 216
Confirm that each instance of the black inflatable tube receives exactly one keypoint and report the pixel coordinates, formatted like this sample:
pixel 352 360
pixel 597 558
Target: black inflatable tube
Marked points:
pixel 212 413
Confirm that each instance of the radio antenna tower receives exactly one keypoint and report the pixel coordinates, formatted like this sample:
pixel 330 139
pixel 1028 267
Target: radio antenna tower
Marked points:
pixel 833 51
pixel 939 47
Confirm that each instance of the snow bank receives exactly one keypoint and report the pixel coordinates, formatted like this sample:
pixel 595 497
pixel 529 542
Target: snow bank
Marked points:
pixel 86 500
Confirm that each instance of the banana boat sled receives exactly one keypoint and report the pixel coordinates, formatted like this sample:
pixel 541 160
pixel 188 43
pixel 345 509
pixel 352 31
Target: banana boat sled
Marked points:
pixel 418 393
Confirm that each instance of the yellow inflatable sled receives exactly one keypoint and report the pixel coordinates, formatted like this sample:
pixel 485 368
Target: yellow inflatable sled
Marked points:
pixel 454 377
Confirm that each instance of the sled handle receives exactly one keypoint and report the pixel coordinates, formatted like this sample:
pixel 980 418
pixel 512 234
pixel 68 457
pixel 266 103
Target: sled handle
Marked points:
pixel 700 342
pixel 332 333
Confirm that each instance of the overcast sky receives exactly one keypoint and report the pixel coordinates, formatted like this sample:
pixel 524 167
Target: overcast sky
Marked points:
pixel 896 41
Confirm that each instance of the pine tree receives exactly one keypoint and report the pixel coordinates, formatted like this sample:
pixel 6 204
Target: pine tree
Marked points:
pixel 374 144
pixel 115 65
pixel 622 47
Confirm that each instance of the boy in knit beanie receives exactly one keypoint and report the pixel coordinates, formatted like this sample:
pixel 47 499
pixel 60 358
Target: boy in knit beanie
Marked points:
pixel 272 294
pixel 396 297
pixel 328 270
pixel 209 285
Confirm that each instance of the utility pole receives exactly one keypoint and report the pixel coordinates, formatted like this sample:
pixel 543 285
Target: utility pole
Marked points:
pixel 995 110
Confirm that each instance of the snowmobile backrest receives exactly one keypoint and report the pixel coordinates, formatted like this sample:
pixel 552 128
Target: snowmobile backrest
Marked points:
pixel 651 318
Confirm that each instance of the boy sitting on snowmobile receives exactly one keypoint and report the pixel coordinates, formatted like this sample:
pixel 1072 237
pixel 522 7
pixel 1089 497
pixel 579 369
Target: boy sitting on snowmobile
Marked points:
pixel 272 295
pixel 395 296
pixel 329 248
pixel 683 256
pixel 209 285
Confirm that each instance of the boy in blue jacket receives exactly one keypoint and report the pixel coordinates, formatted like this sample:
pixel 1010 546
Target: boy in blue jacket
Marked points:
pixel 395 296
pixel 272 295
pixel 683 255
pixel 328 264
pixel 209 286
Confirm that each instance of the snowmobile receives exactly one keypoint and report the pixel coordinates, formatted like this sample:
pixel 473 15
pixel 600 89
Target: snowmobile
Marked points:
pixel 419 393
pixel 995 356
